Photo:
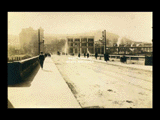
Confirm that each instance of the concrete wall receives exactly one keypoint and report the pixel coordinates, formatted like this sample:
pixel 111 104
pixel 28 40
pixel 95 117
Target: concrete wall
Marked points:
pixel 18 70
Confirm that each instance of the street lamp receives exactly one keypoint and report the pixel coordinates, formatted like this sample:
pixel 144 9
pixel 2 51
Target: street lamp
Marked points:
pixel 39 42
pixel 43 44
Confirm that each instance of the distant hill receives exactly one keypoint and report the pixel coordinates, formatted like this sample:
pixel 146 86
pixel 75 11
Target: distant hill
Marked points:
pixel 97 34
pixel 111 37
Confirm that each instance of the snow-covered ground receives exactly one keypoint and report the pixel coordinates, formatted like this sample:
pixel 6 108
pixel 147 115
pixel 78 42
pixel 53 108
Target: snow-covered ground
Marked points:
pixel 100 85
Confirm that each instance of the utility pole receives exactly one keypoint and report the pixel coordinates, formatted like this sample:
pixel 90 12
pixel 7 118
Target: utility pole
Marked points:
pixel 105 40
pixel 104 37
pixel 38 41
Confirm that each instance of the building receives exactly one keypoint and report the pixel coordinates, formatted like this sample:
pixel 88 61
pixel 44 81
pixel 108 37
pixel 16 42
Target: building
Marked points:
pixel 28 39
pixel 81 44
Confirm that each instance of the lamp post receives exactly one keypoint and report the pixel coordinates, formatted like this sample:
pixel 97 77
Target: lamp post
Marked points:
pixel 104 38
pixel 43 44
pixel 39 42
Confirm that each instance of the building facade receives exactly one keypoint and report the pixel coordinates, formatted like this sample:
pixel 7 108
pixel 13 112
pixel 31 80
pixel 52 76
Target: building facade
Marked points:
pixel 82 44
pixel 28 39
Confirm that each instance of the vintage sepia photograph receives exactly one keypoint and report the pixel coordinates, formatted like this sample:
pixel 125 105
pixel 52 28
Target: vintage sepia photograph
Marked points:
pixel 80 59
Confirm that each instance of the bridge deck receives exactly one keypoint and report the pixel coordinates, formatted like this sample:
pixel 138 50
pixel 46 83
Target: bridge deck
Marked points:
pixel 48 90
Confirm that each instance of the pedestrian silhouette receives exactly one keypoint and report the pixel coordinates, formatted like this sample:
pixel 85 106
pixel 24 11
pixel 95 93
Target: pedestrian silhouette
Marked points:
pixel 41 59
pixel 123 59
pixel 106 57
pixel 96 55
pixel 87 55
pixel 84 54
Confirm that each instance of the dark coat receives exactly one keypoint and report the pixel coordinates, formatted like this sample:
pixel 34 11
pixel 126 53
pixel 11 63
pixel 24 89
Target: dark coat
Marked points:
pixel 41 57
pixel 106 57
pixel 87 54
pixel 96 55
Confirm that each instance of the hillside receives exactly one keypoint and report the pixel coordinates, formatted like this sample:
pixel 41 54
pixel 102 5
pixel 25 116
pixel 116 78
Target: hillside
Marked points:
pixel 97 34
pixel 111 37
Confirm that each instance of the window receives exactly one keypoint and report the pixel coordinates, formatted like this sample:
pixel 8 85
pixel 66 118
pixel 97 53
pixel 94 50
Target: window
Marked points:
pixel 90 44
pixel 76 44
pixel 70 40
pixel 77 40
pixel 84 44
pixel 90 40
pixel 70 44
pixel 84 39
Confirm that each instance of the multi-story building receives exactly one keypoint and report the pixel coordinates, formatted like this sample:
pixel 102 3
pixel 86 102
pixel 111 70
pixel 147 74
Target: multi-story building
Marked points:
pixel 28 38
pixel 81 44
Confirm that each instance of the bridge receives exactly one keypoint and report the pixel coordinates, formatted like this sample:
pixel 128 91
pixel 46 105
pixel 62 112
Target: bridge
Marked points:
pixel 31 87
pixel 61 84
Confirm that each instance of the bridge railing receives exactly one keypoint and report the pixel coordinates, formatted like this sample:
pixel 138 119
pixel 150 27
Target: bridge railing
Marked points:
pixel 130 59
pixel 13 58
pixel 18 70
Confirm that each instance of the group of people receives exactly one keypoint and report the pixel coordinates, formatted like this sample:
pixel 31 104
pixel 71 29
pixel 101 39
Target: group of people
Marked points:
pixel 84 55
pixel 106 56
pixel 87 55
pixel 42 57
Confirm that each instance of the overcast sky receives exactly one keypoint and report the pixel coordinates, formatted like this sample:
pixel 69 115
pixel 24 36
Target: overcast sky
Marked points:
pixel 134 25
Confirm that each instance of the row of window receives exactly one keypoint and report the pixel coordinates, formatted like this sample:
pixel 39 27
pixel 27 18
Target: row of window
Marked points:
pixel 82 44
pixel 83 40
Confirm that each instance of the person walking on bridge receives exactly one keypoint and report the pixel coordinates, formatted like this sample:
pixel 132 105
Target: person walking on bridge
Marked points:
pixel 41 59
pixel 87 54
pixel 84 54
pixel 96 55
